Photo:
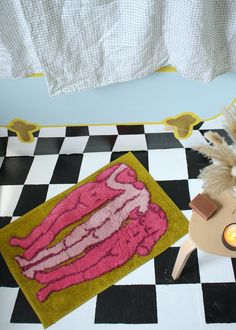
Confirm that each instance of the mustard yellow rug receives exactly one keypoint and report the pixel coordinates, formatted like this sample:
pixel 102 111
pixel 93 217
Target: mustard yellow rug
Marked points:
pixel 82 241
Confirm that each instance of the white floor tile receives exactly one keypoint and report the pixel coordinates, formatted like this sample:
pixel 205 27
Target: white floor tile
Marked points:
pixel 215 268
pixel 216 123
pixel 194 140
pixel 74 144
pixel 218 326
pixel 180 241
pixel 145 274
pixel 130 142
pixel 7 303
pixel 23 326
pixel 55 189
pixel 155 128
pixel 17 148
pixel 83 317
pixel 92 162
pixel 41 170
pixel 52 132
pixel 187 214
pixel 180 307
pixel 168 164
pixel 103 130
pixel 195 187
pixel 9 196
pixel 14 218
pixel 3 131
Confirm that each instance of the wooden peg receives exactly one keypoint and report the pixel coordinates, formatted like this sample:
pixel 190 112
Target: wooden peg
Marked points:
pixel 185 251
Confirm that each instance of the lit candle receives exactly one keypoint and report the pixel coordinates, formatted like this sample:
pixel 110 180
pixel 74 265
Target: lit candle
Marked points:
pixel 229 236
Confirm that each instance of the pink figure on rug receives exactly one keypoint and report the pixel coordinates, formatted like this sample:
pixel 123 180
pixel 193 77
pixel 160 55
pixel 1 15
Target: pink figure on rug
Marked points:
pixel 72 208
pixel 98 227
pixel 138 236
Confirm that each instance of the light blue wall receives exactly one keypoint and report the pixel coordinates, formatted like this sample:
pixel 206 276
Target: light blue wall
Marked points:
pixel 150 99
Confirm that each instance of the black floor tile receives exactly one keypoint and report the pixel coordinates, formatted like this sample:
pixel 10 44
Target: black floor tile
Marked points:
pixel 14 170
pixel 67 169
pixel 49 145
pixel 23 312
pixel 77 131
pixel 100 143
pixel 162 141
pixel 36 133
pixel 178 191
pixel 198 126
pixel 219 302
pixel 6 279
pixel 130 129
pixel 221 132
pixel 11 133
pixel 117 154
pixel 195 162
pixel 131 304
pixel 164 265
pixel 4 221
pixel 3 145
pixel 31 196
pixel 142 156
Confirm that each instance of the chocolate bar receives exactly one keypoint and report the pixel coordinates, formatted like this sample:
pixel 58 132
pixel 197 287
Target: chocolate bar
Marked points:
pixel 203 206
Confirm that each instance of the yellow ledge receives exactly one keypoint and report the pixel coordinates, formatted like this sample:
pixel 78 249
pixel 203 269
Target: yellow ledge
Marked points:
pixel 164 69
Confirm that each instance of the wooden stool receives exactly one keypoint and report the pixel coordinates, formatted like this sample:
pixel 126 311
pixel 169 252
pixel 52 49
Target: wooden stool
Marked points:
pixel 207 235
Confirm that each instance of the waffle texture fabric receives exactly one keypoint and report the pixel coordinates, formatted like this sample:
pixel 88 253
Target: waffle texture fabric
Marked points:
pixel 82 44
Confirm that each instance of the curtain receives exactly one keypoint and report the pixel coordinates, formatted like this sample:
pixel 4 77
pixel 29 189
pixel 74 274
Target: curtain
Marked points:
pixel 81 44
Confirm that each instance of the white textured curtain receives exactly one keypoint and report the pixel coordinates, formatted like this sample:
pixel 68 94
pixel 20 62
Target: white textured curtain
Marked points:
pixel 80 44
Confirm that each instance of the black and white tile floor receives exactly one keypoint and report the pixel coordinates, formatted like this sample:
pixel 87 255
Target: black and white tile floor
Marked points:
pixel 204 297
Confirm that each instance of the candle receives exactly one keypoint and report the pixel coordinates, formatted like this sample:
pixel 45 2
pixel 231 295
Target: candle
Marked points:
pixel 229 236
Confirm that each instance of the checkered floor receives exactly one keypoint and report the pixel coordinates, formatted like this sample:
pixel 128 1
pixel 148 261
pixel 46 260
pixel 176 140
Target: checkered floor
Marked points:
pixel 148 298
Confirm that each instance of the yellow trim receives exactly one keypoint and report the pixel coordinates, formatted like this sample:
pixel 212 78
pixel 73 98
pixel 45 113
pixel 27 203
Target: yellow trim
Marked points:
pixel 166 69
pixel 115 124
pixel 163 69
pixel 35 75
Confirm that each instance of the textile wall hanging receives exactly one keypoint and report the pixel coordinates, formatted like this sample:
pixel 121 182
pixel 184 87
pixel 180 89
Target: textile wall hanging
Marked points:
pixel 90 43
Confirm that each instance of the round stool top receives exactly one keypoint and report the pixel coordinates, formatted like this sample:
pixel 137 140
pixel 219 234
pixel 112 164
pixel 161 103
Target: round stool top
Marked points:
pixel 207 234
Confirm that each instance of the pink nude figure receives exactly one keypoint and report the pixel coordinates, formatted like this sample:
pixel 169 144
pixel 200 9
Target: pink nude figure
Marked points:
pixel 98 227
pixel 72 208
pixel 137 237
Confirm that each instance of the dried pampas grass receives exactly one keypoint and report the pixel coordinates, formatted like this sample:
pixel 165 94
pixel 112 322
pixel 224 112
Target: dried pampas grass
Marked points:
pixel 230 122
pixel 221 174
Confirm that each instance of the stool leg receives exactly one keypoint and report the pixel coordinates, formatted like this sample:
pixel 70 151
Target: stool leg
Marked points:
pixel 184 253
